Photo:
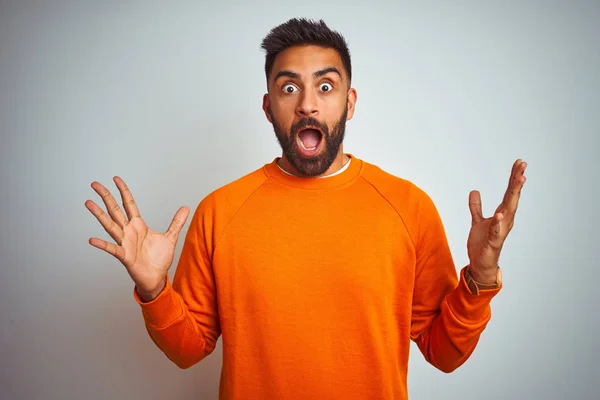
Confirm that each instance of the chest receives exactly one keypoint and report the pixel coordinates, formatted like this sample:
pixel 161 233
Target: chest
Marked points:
pixel 300 253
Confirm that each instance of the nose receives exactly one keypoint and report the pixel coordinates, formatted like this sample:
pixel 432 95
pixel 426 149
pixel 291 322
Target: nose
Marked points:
pixel 307 107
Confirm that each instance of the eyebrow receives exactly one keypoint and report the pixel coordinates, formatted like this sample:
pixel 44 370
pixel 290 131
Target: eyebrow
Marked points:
pixel 317 74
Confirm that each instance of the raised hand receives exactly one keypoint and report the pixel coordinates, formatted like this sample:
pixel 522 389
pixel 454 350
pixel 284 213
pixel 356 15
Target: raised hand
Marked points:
pixel 487 235
pixel 147 255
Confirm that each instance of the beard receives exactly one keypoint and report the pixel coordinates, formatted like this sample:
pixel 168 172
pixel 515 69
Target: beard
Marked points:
pixel 319 163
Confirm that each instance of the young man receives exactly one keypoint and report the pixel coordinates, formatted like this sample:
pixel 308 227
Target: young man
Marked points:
pixel 318 268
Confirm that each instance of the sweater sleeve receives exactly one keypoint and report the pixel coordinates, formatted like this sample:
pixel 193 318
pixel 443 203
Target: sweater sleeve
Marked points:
pixel 447 319
pixel 183 321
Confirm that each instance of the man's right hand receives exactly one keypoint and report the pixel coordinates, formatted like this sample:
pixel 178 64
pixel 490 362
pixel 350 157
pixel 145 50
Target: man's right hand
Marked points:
pixel 147 255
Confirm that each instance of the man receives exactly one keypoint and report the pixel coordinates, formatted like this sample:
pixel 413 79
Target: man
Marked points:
pixel 318 268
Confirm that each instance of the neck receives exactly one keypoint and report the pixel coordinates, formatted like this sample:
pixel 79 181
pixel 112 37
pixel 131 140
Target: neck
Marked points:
pixel 340 160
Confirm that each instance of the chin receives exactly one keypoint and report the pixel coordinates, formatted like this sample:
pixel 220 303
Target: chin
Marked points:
pixel 311 166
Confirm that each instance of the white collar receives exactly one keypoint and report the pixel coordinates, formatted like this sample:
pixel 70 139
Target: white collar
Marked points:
pixel 339 171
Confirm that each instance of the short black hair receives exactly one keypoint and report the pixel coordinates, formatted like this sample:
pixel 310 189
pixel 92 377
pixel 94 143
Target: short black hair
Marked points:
pixel 302 31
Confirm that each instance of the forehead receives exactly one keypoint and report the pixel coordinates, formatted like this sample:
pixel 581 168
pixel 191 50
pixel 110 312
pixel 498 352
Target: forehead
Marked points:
pixel 307 59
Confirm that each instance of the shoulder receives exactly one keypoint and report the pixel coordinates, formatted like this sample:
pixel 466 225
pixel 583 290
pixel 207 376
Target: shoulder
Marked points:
pixel 229 197
pixel 215 210
pixel 395 189
pixel 412 204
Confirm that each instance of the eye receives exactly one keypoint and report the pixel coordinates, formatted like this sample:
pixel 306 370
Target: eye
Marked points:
pixel 326 87
pixel 289 88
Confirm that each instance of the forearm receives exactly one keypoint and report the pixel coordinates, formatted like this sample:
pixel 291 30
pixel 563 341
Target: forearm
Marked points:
pixel 455 331
pixel 173 329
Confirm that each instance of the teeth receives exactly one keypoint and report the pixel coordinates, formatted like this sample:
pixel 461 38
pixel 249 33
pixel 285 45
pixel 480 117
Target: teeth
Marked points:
pixel 304 147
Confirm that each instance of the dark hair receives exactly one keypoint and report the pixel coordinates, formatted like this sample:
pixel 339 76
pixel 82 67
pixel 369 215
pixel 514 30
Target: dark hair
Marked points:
pixel 301 31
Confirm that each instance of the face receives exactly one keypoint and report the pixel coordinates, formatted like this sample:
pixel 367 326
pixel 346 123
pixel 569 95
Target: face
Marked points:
pixel 308 105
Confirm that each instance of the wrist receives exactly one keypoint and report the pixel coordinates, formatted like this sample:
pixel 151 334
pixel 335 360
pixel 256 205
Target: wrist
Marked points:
pixel 487 276
pixel 148 295
pixel 476 286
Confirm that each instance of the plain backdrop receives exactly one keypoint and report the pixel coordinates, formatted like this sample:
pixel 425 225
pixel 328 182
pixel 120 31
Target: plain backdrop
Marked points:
pixel 168 96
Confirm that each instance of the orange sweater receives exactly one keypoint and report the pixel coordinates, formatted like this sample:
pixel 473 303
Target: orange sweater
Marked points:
pixel 317 286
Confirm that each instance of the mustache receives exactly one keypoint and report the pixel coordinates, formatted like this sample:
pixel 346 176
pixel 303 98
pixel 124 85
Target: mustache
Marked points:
pixel 309 121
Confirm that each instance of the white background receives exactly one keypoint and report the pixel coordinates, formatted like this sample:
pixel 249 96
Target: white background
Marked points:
pixel 168 96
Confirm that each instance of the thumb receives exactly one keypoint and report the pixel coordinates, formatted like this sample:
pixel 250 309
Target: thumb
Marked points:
pixel 475 207
pixel 177 224
pixel 495 231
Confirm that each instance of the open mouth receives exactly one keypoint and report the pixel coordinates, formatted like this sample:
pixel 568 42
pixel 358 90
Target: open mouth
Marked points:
pixel 309 140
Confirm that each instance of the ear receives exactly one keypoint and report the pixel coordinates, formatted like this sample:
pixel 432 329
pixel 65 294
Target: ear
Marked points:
pixel 351 103
pixel 266 106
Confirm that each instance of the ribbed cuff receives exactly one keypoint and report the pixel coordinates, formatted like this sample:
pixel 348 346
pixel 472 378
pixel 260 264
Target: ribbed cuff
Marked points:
pixel 164 310
pixel 470 307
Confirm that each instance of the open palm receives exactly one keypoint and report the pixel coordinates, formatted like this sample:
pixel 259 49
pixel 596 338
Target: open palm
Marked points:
pixel 146 254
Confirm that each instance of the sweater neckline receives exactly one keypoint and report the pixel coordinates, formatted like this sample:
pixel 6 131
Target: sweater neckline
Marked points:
pixel 272 170
pixel 345 167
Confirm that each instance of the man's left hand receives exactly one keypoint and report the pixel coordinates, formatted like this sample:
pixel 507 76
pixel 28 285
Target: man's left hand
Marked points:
pixel 487 235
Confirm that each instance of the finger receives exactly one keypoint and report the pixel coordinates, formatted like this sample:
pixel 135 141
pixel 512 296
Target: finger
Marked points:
pixel 110 248
pixel 513 192
pixel 475 207
pixel 513 174
pixel 510 187
pixel 495 238
pixel 113 229
pixel 514 169
pixel 177 224
pixel 128 201
pixel 111 204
